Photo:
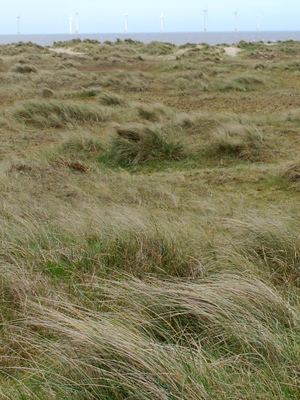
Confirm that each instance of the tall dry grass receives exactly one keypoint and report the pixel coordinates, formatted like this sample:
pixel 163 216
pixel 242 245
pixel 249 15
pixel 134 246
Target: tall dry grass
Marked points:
pixel 154 339
pixel 56 114
pixel 153 260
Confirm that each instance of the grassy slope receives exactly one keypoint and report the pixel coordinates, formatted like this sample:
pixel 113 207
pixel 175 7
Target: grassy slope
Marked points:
pixel 149 222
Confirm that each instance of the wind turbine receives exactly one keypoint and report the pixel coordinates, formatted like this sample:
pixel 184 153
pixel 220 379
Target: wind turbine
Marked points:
pixel 18 18
pixel 236 16
pixel 258 19
pixel 126 22
pixel 205 11
pixel 77 13
pixel 161 21
pixel 70 19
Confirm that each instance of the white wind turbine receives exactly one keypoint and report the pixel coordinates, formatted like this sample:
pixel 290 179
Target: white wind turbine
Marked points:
pixel 258 19
pixel 236 17
pixel 205 12
pixel 77 13
pixel 18 18
pixel 161 21
pixel 70 19
pixel 126 22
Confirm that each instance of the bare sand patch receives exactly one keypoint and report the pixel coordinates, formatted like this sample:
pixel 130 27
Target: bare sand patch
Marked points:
pixel 232 51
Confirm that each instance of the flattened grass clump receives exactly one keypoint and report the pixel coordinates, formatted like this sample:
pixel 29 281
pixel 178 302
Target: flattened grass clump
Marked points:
pixel 74 165
pixel 24 68
pixel 47 93
pixel 186 82
pixel 57 114
pixel 141 144
pixel 234 139
pixel 293 115
pixel 291 172
pixel 243 83
pixel 81 94
pixel 133 82
pixel 153 112
pixel 111 99
pixel 82 146
pixel 197 124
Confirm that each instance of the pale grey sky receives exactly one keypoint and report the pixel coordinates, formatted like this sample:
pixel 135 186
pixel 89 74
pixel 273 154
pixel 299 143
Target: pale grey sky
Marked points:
pixel 96 16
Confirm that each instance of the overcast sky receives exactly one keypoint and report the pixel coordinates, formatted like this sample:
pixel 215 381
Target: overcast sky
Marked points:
pixel 96 16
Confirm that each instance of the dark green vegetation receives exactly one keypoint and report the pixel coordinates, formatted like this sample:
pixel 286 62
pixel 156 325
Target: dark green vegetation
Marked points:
pixel 149 220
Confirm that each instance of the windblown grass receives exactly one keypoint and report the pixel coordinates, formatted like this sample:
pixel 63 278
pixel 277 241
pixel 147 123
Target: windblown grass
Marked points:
pixel 152 112
pixel 273 246
pixel 173 334
pixel 243 141
pixel 140 144
pixel 244 83
pixel 57 114
pixel 24 69
pixel 291 172
pixel 110 99
pixel 149 222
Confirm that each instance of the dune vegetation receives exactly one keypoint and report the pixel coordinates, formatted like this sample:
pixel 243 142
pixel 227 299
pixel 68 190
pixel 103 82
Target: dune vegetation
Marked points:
pixel 149 220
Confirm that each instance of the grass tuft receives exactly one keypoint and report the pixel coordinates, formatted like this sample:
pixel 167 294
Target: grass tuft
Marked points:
pixel 24 68
pixel 291 172
pixel 234 139
pixel 141 144
pixel 149 232
pixel 111 99
pixel 153 112
pixel 243 83
pixel 57 114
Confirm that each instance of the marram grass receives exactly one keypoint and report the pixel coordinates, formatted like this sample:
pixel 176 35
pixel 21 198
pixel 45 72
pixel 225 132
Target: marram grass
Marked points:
pixel 149 222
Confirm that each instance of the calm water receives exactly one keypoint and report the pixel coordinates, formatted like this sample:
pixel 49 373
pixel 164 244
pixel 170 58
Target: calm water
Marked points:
pixel 211 38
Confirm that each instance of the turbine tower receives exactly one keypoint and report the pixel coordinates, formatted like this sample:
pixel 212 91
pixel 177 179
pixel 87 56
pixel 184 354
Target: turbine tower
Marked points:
pixel 77 13
pixel 258 19
pixel 161 22
pixel 18 18
pixel 126 22
pixel 205 12
pixel 70 19
pixel 236 16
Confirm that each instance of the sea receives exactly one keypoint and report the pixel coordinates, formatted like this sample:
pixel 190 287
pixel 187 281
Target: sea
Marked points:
pixel 177 38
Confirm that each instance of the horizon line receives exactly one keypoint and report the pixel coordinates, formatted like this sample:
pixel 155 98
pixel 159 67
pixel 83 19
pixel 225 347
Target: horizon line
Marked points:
pixel 144 33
